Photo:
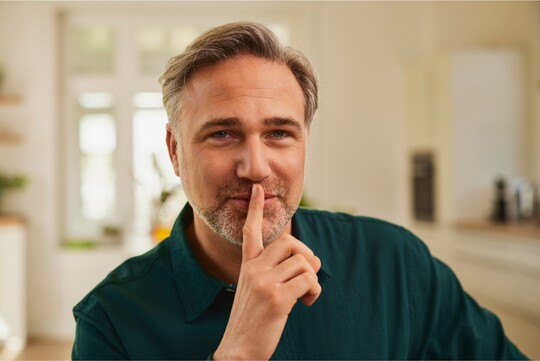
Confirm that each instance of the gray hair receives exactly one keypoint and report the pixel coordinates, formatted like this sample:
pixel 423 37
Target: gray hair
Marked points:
pixel 225 42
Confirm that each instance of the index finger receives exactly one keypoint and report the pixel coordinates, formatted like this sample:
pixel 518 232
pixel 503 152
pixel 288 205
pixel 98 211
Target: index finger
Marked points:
pixel 252 245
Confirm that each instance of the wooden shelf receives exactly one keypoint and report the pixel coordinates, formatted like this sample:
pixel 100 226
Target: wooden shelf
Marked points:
pixel 9 137
pixel 8 220
pixel 10 99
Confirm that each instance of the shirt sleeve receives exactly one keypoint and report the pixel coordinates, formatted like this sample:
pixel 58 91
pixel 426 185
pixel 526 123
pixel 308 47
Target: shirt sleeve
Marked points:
pixel 96 342
pixel 448 323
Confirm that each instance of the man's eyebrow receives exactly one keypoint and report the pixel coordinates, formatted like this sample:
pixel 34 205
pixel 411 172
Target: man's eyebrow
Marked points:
pixel 279 121
pixel 231 122
pixel 219 122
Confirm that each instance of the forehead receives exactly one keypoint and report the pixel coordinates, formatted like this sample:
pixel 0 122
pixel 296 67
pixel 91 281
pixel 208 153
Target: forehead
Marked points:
pixel 243 86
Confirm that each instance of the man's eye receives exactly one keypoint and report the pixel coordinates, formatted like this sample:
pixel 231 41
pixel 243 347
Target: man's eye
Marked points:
pixel 221 135
pixel 279 134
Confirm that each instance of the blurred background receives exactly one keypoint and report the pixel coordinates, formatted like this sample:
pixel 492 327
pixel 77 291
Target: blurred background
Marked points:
pixel 429 117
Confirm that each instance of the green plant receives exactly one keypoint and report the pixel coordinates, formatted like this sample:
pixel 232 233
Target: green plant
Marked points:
pixel 2 77
pixel 10 183
pixel 305 202
pixel 111 231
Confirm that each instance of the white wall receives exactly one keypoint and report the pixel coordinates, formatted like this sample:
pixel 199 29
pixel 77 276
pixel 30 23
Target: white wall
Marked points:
pixel 27 53
pixel 359 128
pixel 536 94
pixel 495 25
pixel 358 159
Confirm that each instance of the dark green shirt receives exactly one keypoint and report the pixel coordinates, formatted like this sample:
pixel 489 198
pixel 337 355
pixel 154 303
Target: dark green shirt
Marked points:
pixel 384 297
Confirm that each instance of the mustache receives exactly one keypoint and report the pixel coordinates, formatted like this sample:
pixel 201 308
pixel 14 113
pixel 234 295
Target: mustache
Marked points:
pixel 234 187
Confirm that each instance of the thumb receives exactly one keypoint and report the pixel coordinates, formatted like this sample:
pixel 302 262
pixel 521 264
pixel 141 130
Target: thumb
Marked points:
pixel 252 245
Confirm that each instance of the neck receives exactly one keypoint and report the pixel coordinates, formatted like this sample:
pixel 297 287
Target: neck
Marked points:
pixel 217 256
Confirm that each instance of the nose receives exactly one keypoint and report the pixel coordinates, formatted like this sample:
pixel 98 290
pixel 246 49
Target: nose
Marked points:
pixel 253 163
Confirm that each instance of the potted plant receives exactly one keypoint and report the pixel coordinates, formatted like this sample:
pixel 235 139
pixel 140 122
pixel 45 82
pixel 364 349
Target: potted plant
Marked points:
pixel 10 183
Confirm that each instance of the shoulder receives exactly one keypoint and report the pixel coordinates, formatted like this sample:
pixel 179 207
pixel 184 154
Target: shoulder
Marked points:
pixel 353 228
pixel 132 275
pixel 345 219
pixel 359 241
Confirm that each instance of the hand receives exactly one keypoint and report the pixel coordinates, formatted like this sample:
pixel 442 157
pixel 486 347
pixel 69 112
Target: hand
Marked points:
pixel 271 281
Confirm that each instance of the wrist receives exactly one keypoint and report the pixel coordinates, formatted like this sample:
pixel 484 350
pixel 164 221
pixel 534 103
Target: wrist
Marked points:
pixel 236 354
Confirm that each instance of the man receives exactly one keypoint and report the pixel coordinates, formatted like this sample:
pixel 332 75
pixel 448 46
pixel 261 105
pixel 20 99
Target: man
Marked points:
pixel 226 284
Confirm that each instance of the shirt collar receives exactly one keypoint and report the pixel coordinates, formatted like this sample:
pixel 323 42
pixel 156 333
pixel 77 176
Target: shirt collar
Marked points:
pixel 198 289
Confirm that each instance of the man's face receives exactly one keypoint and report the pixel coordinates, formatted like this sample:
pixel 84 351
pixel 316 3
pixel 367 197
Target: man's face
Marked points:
pixel 242 122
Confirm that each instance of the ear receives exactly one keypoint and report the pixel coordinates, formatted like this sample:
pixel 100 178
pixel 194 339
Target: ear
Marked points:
pixel 172 144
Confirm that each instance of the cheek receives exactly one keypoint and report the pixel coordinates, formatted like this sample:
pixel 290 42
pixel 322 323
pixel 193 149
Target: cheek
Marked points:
pixel 207 174
pixel 213 166
pixel 291 171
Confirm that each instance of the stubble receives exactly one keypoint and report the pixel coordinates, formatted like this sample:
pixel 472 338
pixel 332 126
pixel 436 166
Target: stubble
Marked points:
pixel 227 220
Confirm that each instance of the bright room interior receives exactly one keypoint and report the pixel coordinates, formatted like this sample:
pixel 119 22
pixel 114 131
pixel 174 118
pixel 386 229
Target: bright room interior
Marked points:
pixel 429 117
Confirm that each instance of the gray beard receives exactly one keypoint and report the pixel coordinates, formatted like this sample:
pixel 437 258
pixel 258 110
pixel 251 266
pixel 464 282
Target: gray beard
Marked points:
pixel 227 221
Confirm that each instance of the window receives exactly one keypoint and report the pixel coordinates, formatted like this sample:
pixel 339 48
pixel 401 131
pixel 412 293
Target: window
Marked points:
pixel 152 170
pixel 96 158
pixel 117 168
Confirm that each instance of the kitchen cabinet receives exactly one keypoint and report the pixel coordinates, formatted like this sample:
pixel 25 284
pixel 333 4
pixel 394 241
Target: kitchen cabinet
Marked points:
pixel 13 283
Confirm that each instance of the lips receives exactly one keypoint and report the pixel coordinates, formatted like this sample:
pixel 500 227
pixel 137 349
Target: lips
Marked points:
pixel 247 196
pixel 243 199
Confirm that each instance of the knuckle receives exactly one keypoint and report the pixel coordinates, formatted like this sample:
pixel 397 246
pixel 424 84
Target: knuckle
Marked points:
pixel 287 244
pixel 310 277
pixel 308 251
pixel 299 258
pixel 298 247
pixel 302 263
pixel 316 262
pixel 279 303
